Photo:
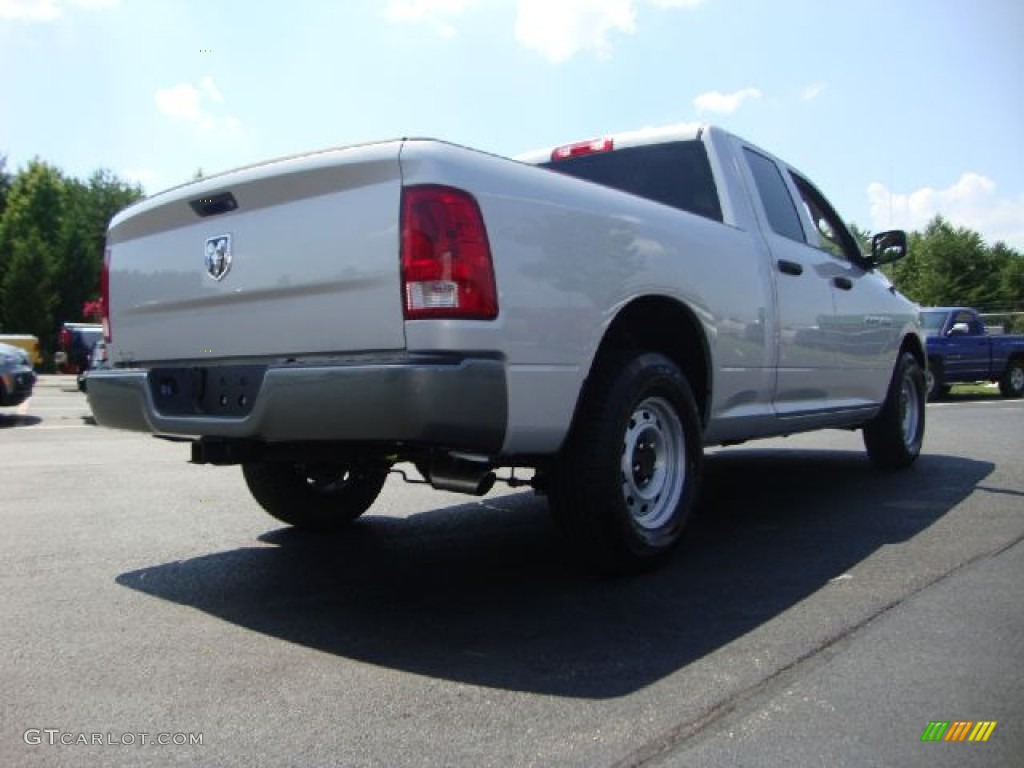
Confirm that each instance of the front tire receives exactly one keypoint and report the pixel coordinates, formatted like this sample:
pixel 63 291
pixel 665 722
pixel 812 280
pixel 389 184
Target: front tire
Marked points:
pixel 315 497
pixel 627 479
pixel 935 382
pixel 1012 382
pixel 893 438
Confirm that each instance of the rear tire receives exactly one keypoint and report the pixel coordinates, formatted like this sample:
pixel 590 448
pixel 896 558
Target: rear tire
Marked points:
pixel 1012 382
pixel 315 497
pixel 935 386
pixel 893 438
pixel 626 481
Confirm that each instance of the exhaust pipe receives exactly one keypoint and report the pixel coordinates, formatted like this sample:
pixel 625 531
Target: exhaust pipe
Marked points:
pixel 458 475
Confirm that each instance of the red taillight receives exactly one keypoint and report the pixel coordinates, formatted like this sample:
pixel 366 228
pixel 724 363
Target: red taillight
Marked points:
pixel 581 148
pixel 446 260
pixel 105 294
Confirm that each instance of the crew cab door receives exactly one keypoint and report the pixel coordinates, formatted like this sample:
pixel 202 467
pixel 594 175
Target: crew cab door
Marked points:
pixel 968 355
pixel 864 334
pixel 806 369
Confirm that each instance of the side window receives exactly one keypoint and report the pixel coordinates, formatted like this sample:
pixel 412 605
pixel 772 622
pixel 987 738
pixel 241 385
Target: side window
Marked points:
pixel 676 173
pixel 778 205
pixel 835 237
pixel 973 324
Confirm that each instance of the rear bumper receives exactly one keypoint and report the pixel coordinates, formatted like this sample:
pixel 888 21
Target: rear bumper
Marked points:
pixel 453 403
pixel 16 386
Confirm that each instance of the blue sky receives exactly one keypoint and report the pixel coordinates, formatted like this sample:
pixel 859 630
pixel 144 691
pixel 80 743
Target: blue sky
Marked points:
pixel 898 110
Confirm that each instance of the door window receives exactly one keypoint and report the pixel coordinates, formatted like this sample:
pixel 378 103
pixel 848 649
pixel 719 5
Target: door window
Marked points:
pixel 832 233
pixel 778 205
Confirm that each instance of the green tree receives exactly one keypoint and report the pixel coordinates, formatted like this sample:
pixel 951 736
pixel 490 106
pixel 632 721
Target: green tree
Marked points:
pixel 948 265
pixel 862 236
pixel 27 291
pixel 5 183
pixel 90 207
pixel 1011 276
pixel 1011 286
pixel 30 230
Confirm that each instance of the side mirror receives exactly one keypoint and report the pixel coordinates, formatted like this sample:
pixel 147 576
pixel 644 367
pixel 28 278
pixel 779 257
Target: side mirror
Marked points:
pixel 960 329
pixel 887 247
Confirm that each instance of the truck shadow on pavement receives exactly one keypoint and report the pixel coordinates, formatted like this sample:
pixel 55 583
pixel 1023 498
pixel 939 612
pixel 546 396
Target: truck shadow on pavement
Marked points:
pixel 483 593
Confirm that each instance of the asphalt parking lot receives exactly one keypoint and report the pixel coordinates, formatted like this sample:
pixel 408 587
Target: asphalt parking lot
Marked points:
pixel 819 613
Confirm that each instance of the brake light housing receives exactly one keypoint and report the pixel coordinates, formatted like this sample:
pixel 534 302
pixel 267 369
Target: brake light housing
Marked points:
pixel 447 270
pixel 589 147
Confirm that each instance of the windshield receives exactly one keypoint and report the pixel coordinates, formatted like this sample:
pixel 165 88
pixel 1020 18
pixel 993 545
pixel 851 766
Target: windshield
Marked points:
pixel 932 322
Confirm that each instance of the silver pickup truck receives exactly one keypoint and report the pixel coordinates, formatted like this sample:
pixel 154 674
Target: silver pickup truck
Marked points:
pixel 597 313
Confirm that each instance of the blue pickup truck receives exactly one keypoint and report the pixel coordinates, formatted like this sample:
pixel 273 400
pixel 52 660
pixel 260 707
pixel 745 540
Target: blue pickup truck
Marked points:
pixel 960 350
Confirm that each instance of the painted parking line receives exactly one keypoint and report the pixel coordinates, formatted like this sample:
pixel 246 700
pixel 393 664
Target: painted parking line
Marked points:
pixel 35 427
pixel 1008 405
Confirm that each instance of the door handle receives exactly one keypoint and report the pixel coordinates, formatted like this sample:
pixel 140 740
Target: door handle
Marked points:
pixel 790 267
pixel 844 283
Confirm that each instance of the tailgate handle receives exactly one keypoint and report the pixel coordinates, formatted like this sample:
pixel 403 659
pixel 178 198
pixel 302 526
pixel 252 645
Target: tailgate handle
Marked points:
pixel 213 205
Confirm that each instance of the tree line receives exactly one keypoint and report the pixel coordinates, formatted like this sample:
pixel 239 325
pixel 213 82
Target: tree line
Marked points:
pixel 948 265
pixel 52 229
pixel 953 266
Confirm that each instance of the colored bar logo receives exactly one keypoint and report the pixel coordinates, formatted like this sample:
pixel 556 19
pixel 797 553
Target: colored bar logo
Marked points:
pixel 958 730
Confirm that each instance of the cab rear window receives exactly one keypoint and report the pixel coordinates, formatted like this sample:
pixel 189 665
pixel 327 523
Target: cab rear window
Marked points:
pixel 676 173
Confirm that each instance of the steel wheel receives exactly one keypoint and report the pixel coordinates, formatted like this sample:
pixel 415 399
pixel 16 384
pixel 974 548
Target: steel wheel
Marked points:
pixel 1017 378
pixel 1012 383
pixel 910 413
pixel 894 437
pixel 626 480
pixel 653 463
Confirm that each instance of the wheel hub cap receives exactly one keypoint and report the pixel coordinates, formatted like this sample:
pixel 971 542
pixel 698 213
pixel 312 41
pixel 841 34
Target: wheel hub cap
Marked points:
pixel 645 459
pixel 653 464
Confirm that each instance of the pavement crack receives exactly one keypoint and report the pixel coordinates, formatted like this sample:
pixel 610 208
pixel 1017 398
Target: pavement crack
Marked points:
pixel 672 739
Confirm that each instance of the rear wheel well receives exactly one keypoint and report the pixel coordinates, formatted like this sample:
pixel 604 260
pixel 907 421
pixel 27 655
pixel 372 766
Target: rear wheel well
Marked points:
pixel 658 324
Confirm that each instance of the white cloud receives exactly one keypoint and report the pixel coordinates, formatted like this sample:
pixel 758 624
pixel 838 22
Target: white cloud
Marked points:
pixel 557 29
pixel 180 102
pixel 811 92
pixel 972 201
pixel 724 103
pixel 46 10
pixel 190 104
pixel 211 90
pixel 29 10
pixel 560 30
pixel 437 14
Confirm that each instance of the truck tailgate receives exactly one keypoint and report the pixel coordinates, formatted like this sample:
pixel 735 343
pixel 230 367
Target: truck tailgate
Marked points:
pixel 293 257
